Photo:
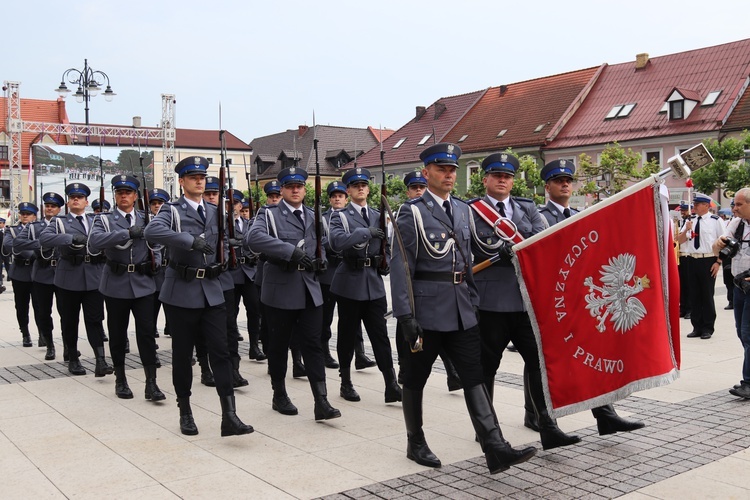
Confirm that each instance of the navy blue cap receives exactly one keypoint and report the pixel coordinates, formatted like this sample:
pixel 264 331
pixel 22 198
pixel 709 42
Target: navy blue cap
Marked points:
pixel 501 162
pixel 25 206
pixel 237 195
pixel 558 168
pixel 335 187
pixel 95 205
pixel 158 194
pixel 272 187
pixel 245 204
pixel 53 199
pixel 701 198
pixel 414 178
pixel 77 189
pixel 192 165
pixel 2 220
pixel 125 182
pixel 356 175
pixel 684 205
pixel 444 153
pixel 292 175
pixel 212 184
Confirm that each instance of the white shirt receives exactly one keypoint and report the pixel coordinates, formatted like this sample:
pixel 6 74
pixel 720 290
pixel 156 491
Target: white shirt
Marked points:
pixel 741 261
pixel 710 229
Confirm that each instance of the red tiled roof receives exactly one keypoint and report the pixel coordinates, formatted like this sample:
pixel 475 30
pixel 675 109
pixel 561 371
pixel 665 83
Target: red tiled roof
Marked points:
pixel 520 108
pixel 723 67
pixel 440 117
pixel 740 117
pixel 380 134
pixel 34 110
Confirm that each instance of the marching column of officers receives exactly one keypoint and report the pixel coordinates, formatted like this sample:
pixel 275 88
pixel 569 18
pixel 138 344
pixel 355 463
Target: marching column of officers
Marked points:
pixel 137 262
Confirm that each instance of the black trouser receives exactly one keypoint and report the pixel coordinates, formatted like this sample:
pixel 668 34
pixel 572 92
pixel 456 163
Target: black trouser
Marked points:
pixel 684 286
pixel 702 307
pixel 248 293
pixel 305 325
pixel 329 304
pixel 118 318
pixel 69 303
pixel 22 298
pixel 372 314
pixel 233 332
pixel 462 346
pixel 42 295
pixel 187 326
pixel 729 283
pixel 263 335
pixel 157 308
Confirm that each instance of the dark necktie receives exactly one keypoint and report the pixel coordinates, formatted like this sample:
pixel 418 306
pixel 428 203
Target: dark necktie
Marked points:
pixel 447 207
pixel 80 221
pixel 501 208
pixel 566 213
pixel 697 231
pixel 237 226
pixel 201 213
pixel 298 214
pixel 129 218
pixel 364 216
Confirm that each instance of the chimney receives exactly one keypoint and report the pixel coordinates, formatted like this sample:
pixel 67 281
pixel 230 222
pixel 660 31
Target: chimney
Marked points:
pixel 136 122
pixel 421 110
pixel 303 129
pixel 439 108
pixel 503 90
pixel 641 60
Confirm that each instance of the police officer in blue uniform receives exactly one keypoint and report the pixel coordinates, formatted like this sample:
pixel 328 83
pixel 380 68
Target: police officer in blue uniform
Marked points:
pixel 77 279
pixel 20 270
pixel 437 248
pixel 43 270
pixel 358 283
pixel 156 198
pixel 192 295
pixel 127 283
pixel 97 205
pixel 291 295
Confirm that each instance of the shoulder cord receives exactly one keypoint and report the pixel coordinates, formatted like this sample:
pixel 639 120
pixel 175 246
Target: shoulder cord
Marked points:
pixel 432 252
pixel 347 230
pixel 456 244
pixel 484 245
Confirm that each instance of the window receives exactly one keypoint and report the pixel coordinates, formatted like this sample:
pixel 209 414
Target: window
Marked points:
pixel 664 108
pixel 676 110
pixel 502 132
pixel 399 143
pixel 3 152
pixel 653 155
pixel 539 128
pixel 613 112
pixel 463 138
pixel 472 167
pixel 620 111
pixel 424 139
pixel 710 99
pixel 625 111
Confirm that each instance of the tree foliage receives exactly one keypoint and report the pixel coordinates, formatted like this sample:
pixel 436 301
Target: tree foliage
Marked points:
pixel 616 165
pixel 527 183
pixel 729 168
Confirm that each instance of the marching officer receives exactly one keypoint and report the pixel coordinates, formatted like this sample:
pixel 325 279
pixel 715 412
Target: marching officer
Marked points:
pixel 127 284
pixel 558 183
pixel 97 205
pixel 191 293
pixel 77 279
pixel 20 271
pixel 156 198
pixel 502 315
pixel 43 270
pixel 438 310
pixel 291 295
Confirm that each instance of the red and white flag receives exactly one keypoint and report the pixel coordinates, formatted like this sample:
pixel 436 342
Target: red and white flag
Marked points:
pixel 600 291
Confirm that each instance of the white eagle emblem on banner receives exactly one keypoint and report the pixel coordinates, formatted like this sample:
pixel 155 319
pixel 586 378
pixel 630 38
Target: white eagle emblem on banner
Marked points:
pixel 615 299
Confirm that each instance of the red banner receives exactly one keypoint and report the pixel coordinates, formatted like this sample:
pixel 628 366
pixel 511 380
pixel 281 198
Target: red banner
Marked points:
pixel 597 288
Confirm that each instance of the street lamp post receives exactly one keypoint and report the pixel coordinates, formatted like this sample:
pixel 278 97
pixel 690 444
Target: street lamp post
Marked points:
pixel 89 84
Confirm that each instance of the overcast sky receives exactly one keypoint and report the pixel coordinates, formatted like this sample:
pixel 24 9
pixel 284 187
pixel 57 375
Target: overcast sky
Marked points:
pixel 355 63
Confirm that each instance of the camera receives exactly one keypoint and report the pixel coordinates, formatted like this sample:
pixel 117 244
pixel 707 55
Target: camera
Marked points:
pixel 730 250
pixel 740 282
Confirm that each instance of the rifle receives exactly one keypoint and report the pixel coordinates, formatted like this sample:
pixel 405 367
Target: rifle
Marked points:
pixel 383 214
pixel 319 265
pixel 101 179
pixel 249 188
pixel 230 217
pixel 147 211
pixel 222 215
pixel 65 188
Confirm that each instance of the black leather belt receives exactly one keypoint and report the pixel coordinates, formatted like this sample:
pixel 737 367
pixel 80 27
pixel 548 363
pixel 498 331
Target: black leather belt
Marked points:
pixel 22 262
pixel 455 278
pixel 361 263
pixel 88 259
pixel 190 273
pixel 119 268
pixel 46 263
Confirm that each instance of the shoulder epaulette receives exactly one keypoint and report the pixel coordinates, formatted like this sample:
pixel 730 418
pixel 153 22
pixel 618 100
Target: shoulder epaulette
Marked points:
pixel 414 200
pixel 715 217
pixel 459 199
pixel 473 200
pixel 545 208
pixel 526 200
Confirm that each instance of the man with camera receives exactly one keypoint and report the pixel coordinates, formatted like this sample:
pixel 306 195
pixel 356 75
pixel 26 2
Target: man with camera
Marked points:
pixel 735 245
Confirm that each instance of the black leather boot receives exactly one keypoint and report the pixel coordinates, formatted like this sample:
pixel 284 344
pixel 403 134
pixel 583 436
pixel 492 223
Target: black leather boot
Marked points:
pixel 231 425
pixel 255 351
pixel 298 367
pixel 102 368
pixel 328 360
pixel 153 393
pixel 454 381
pixel 552 436
pixel 416 445
pixel 500 455
pixel 237 379
pixel 207 376
pixel 122 390
pixel 50 354
pixel 529 415
pixel 361 361
pixel 609 422
pixel 347 388
pixel 26 337
pixel 187 424
pixel 392 389
pixel 127 345
pixel 41 342
pixel 281 402
pixel 75 368
pixel 323 409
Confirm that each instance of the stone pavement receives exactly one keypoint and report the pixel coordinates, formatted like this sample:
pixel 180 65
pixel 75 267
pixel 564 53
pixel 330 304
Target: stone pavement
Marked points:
pixel 63 436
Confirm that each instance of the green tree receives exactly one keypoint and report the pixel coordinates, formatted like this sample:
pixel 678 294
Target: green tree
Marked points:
pixel 727 169
pixel 526 184
pixel 617 168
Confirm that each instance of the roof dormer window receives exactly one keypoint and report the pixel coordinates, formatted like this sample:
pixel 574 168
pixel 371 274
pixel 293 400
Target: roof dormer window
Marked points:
pixel 399 143
pixel 711 98
pixel 681 103
pixel 463 138
pixel 424 140
pixel 676 110
pixel 620 111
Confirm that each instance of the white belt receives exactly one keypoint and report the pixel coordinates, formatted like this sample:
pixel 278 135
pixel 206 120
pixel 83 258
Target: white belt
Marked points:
pixel 701 255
